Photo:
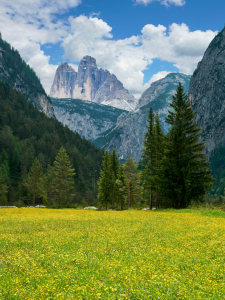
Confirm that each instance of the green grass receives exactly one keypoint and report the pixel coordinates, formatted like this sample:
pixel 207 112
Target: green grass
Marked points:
pixel 75 254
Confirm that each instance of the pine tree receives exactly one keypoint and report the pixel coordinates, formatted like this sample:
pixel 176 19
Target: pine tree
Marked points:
pixel 105 180
pixel 159 151
pixel 49 179
pixel 185 174
pixel 3 191
pixel 121 186
pixel 34 180
pixel 148 156
pixel 132 180
pixel 114 170
pixel 63 182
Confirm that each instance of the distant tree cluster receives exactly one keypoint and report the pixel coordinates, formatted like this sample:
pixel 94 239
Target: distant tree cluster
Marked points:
pixel 27 134
pixel 174 171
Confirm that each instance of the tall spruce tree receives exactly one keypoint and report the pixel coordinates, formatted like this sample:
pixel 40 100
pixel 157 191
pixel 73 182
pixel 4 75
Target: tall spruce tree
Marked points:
pixel 34 180
pixel 121 186
pixel 114 170
pixel 148 156
pixel 159 151
pixel 3 191
pixel 105 180
pixel 63 183
pixel 185 175
pixel 132 181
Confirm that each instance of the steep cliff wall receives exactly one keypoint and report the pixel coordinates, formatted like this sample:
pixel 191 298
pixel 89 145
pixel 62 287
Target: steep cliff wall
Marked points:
pixel 87 118
pixel 207 93
pixel 92 84
pixel 127 135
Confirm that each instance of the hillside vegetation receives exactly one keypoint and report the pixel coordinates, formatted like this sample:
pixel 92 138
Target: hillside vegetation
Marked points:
pixel 26 133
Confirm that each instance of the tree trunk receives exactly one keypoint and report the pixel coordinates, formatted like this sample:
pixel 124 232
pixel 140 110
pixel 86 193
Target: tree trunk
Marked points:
pixel 150 200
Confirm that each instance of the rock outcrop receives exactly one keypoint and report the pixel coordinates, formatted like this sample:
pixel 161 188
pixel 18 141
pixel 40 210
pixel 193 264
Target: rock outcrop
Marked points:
pixel 127 135
pixel 92 84
pixel 22 78
pixel 87 118
pixel 207 94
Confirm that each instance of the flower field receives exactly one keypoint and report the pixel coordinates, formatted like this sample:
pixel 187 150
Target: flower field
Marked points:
pixel 72 254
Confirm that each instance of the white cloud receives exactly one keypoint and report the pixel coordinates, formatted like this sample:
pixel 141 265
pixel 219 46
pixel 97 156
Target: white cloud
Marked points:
pixel 164 2
pixel 128 58
pixel 28 24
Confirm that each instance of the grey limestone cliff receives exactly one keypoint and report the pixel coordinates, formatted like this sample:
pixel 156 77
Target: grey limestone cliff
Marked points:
pixel 22 78
pixel 207 94
pixel 92 84
pixel 87 118
pixel 127 135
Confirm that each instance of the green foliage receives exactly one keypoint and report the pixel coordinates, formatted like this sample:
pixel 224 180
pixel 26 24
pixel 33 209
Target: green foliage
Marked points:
pixel 114 174
pixel 185 175
pixel 63 178
pixel 34 180
pixel 132 181
pixel 105 180
pixel 26 134
pixel 3 191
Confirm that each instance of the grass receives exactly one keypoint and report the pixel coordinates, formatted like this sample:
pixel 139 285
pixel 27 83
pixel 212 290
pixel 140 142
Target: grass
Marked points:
pixel 72 254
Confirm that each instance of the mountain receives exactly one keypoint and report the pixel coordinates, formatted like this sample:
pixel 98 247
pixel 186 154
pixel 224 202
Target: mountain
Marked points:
pixel 92 84
pixel 26 133
pixel 207 93
pixel 127 135
pixel 89 119
pixel 22 78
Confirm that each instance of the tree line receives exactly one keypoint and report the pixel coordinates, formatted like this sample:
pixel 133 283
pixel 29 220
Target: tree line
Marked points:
pixel 173 171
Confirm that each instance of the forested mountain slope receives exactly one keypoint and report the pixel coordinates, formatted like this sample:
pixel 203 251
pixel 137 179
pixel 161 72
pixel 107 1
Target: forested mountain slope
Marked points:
pixel 26 133
pixel 21 77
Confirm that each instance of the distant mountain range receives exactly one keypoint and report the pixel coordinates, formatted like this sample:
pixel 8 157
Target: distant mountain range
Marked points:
pixel 92 84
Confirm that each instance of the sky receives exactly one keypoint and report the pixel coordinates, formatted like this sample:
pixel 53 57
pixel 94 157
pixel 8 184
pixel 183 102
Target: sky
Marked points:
pixel 140 41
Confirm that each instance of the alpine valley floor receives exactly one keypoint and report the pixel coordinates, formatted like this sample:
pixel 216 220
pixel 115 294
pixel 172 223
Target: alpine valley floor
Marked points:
pixel 74 254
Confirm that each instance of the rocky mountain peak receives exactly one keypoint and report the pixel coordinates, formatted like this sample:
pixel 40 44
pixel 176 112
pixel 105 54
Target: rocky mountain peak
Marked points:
pixel 207 93
pixel 92 84
pixel 87 62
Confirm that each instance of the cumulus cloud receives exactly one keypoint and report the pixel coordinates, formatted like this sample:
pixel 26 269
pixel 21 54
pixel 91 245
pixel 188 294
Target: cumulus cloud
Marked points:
pixel 164 2
pixel 28 24
pixel 128 58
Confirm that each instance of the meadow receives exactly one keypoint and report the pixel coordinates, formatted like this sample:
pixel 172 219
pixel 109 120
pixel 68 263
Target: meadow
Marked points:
pixel 74 254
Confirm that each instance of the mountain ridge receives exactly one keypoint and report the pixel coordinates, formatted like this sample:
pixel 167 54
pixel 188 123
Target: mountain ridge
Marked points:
pixel 91 83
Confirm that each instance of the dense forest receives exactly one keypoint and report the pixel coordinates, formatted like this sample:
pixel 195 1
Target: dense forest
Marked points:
pixel 26 134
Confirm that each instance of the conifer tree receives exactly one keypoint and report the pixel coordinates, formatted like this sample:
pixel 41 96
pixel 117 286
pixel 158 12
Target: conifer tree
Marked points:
pixel 34 180
pixel 132 181
pixel 114 170
pixel 3 191
pixel 185 175
pixel 63 183
pixel 121 186
pixel 105 180
pixel 148 156
pixel 49 178
pixel 159 151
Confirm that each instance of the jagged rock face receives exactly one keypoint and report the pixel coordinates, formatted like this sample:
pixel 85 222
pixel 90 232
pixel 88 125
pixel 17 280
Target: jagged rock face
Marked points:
pixel 87 118
pixel 92 84
pixel 18 78
pixel 127 136
pixel 207 94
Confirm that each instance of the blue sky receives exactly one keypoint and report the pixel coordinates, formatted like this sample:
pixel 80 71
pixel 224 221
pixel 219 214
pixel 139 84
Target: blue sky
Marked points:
pixel 139 41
